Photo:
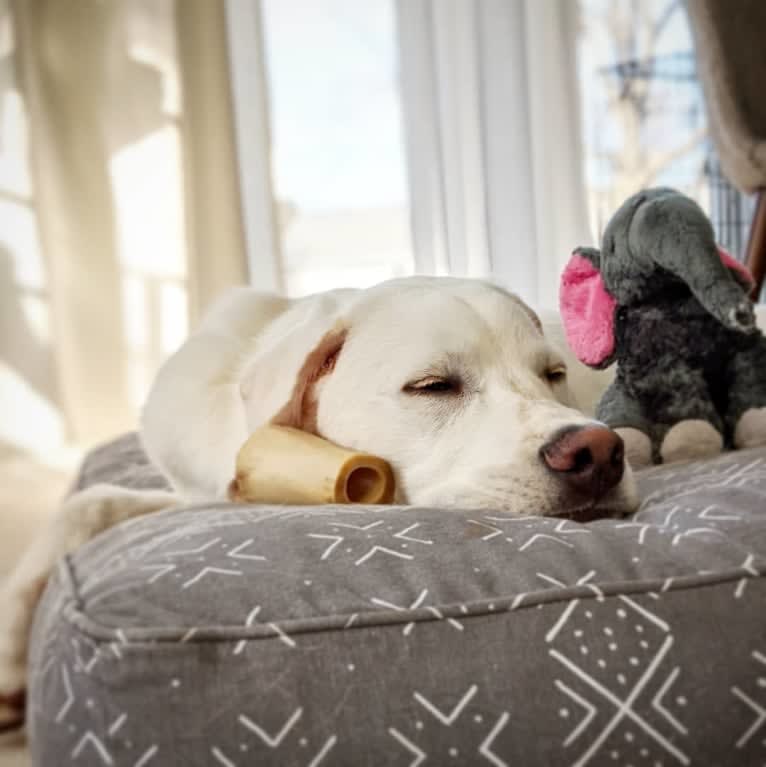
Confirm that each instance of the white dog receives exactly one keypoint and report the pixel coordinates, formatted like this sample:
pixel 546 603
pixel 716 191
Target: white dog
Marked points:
pixel 451 381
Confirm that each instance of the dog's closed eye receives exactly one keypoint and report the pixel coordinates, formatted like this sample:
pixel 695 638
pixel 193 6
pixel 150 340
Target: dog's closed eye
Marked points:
pixel 556 374
pixel 434 385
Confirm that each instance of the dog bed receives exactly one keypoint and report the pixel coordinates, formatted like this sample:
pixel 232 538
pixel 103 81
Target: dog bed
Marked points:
pixel 240 635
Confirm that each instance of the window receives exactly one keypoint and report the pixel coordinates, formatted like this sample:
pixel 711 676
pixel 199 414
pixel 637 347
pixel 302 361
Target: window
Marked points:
pixel 643 114
pixel 25 315
pixel 338 160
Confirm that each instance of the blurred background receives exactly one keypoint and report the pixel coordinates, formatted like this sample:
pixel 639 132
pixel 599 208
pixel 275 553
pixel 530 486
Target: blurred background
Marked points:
pixel 154 152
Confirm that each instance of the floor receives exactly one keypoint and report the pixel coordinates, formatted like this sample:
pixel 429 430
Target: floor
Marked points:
pixel 30 492
pixel 13 752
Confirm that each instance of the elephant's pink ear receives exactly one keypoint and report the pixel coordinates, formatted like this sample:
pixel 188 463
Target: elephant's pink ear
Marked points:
pixel 738 270
pixel 588 312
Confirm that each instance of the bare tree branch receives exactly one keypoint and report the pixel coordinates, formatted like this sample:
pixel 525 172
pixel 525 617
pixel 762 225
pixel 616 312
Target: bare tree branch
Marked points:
pixel 659 162
pixel 659 26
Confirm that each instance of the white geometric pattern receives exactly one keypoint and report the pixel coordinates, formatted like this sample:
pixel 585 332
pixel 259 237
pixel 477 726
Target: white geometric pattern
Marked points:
pixel 70 697
pixel 457 714
pixel 414 606
pixel 624 707
pixel 317 625
pixel 237 552
pixel 520 524
pixel 251 616
pixel 209 571
pixel 363 533
pixel 485 749
pixel 147 756
pixel 759 709
pixel 272 741
pixel 276 739
pixel 608 709
pixel 449 718
pixel 590 711
pixel 90 739
pixel 418 753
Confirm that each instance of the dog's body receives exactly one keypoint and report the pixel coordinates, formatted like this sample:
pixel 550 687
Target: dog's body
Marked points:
pixel 429 373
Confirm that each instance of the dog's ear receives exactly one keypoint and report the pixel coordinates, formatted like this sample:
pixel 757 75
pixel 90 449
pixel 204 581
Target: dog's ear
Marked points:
pixel 300 411
pixel 587 309
pixel 278 381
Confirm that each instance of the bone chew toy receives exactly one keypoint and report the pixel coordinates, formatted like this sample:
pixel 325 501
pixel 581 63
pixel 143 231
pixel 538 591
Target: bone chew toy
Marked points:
pixel 282 465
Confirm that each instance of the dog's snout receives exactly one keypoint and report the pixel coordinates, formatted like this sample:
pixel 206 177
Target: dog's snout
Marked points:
pixel 589 459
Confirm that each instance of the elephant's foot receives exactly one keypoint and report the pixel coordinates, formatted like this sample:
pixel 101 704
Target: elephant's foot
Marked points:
pixel 638 447
pixel 750 430
pixel 691 440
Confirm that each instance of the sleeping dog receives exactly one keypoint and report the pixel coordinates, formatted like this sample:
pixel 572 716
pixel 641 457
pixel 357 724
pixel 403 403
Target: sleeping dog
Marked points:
pixel 452 381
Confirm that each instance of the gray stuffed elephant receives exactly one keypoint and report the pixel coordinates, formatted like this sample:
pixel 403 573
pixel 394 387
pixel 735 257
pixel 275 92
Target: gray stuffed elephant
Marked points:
pixel 671 308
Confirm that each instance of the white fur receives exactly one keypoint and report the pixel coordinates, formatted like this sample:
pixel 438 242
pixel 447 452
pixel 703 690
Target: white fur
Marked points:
pixel 237 371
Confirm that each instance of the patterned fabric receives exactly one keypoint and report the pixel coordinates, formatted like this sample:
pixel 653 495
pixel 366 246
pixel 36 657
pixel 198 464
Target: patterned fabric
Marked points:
pixel 120 462
pixel 228 635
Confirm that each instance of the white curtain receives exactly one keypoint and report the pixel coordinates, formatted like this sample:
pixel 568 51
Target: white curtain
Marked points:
pixel 493 139
pixel 126 163
pixel 119 204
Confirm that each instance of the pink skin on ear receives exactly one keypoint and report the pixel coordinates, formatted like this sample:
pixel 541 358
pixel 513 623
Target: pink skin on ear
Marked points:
pixel 741 273
pixel 587 311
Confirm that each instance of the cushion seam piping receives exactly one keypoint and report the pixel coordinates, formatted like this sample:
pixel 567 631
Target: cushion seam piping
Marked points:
pixel 74 613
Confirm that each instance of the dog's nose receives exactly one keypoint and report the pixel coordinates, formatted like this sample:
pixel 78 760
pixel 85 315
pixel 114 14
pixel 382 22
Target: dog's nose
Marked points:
pixel 590 459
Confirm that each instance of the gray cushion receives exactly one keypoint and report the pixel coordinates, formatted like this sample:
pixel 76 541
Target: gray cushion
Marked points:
pixel 224 635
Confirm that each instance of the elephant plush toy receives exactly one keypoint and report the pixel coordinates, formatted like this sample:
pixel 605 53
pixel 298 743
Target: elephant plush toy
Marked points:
pixel 671 308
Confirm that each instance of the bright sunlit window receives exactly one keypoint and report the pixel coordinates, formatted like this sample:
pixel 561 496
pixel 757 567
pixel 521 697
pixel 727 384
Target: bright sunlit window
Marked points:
pixel 338 153
pixel 25 322
pixel 643 113
pixel 148 195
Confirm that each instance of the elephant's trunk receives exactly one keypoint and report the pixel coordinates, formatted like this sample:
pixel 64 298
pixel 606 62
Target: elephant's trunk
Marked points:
pixel 681 241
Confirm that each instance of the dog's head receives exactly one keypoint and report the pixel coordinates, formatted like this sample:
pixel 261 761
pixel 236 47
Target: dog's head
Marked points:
pixel 451 381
